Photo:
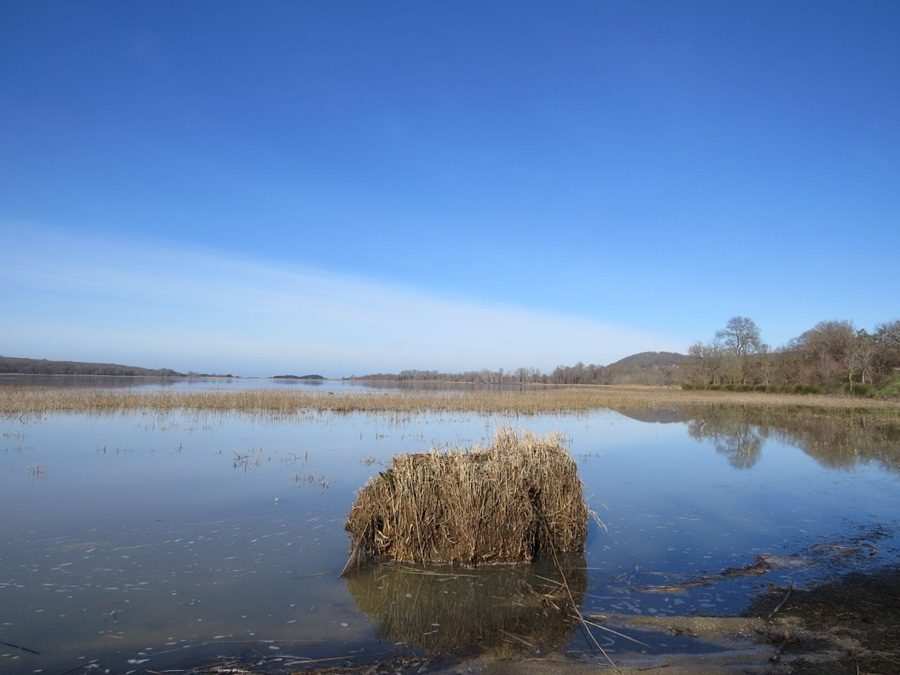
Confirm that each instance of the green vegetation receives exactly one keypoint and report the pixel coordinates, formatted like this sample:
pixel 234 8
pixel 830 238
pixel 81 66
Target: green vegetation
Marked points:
pixel 890 389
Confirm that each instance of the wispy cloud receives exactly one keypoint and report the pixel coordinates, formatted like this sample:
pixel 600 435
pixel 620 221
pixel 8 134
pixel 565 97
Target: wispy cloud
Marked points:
pixel 150 303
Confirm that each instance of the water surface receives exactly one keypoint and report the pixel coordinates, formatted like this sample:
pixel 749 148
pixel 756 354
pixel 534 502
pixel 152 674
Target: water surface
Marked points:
pixel 141 541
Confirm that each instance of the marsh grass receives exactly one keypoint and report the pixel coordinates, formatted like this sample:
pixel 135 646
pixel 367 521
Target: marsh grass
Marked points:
pixel 514 501
pixel 24 400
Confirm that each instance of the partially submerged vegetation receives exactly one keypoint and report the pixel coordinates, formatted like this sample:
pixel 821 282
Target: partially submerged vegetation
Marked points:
pixel 18 400
pixel 515 501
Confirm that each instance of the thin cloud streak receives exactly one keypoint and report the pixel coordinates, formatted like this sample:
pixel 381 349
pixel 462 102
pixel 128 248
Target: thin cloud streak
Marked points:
pixel 153 304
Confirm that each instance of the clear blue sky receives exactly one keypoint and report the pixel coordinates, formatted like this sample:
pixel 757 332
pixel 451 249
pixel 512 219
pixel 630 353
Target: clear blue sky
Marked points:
pixel 644 170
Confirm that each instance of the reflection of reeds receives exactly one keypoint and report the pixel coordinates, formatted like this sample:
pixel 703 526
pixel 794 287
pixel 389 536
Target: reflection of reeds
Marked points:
pixel 248 460
pixel 513 501
pixel 501 609
pixel 16 400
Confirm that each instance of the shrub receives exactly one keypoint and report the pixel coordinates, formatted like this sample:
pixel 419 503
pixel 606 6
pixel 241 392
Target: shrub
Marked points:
pixel 890 390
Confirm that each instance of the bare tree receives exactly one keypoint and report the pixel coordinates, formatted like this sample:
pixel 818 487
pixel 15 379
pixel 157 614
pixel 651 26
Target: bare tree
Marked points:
pixel 740 336
pixel 826 349
pixel 861 359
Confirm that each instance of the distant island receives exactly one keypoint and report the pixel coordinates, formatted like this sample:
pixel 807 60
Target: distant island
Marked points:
pixel 317 378
pixel 10 365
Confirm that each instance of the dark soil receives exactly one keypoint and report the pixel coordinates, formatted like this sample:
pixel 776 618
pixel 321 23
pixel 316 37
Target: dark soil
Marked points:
pixel 853 623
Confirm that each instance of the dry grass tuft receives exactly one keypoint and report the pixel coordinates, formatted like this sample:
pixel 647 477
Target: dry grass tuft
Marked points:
pixel 511 502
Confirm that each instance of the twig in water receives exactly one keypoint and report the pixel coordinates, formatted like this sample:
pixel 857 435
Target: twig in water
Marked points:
pixel 781 604
pixel 615 632
pixel 565 585
pixel 24 649
pixel 353 560
pixel 519 638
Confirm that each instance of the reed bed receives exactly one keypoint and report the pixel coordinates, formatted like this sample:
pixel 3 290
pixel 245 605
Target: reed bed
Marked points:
pixel 19 400
pixel 514 501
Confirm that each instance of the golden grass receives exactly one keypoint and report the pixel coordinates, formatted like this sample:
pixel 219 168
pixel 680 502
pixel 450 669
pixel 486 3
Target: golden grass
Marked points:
pixel 17 400
pixel 514 501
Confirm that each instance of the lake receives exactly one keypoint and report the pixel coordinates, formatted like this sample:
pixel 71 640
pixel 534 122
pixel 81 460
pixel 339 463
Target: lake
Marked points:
pixel 142 542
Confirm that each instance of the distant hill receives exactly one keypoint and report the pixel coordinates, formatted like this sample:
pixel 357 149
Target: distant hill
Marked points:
pixel 649 360
pixel 646 368
pixel 298 377
pixel 22 366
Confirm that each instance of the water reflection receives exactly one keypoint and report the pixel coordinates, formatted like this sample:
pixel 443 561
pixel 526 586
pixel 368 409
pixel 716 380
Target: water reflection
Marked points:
pixel 841 440
pixel 505 610
pixel 739 441
pixel 134 531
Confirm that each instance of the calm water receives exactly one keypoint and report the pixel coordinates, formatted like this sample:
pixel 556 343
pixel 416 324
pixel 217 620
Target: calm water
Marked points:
pixel 139 541
pixel 180 384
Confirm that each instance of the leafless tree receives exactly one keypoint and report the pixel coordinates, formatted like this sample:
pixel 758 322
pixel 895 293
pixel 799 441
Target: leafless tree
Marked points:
pixel 740 336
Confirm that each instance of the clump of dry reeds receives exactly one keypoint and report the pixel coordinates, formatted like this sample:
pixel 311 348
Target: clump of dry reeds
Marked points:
pixel 514 501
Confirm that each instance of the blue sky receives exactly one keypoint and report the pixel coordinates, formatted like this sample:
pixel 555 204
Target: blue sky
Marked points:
pixel 566 180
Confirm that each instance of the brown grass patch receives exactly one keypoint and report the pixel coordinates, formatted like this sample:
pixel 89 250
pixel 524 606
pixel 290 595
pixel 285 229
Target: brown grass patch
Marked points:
pixel 18 400
pixel 514 501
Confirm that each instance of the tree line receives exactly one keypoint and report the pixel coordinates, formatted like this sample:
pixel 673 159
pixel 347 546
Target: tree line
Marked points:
pixel 481 377
pixel 832 356
pixel 644 368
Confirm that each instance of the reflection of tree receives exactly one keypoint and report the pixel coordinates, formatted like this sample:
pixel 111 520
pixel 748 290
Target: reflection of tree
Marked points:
pixel 742 449
pixel 740 442
pixel 442 610
pixel 846 441
pixel 836 439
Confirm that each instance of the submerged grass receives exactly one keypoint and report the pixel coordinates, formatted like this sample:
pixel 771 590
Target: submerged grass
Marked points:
pixel 515 501
pixel 18 400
